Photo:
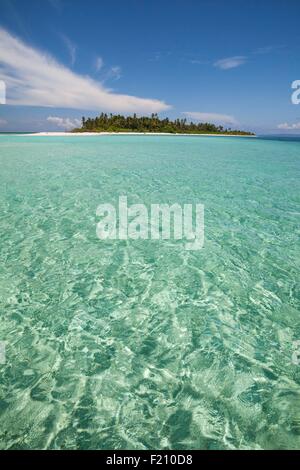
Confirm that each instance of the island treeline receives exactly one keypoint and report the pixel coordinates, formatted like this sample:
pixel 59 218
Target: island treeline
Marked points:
pixel 134 123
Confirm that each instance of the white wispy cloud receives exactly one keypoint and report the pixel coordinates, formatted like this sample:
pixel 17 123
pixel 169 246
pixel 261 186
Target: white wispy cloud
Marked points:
pixel 114 72
pixel 34 78
pixel 71 48
pixel 99 63
pixel 230 62
pixel 268 49
pixel 199 62
pixel 3 122
pixel 157 56
pixel 56 4
pixel 289 127
pixel 64 123
pixel 264 50
pixel 211 117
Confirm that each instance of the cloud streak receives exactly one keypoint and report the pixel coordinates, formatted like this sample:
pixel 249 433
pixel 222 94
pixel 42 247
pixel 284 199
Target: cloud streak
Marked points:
pixel 268 49
pixel 72 49
pixel 34 78
pixel 114 73
pixel 289 127
pixel 56 4
pixel 211 117
pixel 230 62
pixel 99 63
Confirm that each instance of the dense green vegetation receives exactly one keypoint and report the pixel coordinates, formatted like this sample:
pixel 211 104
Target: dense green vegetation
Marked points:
pixel 118 123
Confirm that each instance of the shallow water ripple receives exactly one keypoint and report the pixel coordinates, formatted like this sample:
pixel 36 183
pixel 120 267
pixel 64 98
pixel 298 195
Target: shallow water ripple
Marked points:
pixel 142 344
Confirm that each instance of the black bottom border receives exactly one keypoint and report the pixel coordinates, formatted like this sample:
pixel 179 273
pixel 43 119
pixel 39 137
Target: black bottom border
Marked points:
pixel 146 459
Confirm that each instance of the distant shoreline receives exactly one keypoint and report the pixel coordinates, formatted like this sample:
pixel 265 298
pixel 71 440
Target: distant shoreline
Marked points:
pixel 88 134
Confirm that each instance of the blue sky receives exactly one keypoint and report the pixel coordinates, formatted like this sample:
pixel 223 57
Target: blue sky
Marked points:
pixel 229 62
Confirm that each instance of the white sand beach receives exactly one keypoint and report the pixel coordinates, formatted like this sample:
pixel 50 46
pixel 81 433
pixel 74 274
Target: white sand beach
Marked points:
pixel 88 134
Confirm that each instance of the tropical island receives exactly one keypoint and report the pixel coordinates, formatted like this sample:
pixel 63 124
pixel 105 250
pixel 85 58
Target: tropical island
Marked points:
pixel 119 123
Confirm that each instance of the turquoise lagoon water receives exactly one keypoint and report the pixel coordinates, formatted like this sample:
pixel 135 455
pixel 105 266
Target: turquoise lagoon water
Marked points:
pixel 143 344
